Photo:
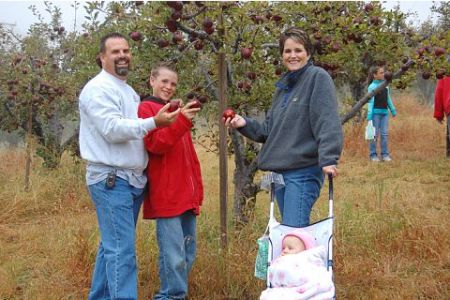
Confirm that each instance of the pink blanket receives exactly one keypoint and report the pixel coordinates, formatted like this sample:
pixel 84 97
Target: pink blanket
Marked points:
pixel 300 276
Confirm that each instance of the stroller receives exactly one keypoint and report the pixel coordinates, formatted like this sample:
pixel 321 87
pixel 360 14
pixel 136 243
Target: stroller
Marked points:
pixel 322 231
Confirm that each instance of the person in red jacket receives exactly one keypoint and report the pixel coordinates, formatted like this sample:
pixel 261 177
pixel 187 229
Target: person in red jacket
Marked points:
pixel 442 105
pixel 175 185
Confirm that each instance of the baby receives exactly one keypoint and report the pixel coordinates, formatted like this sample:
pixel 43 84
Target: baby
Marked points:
pixel 299 272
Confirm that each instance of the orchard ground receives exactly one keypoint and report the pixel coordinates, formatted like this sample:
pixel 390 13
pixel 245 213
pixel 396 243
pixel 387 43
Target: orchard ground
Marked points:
pixel 391 232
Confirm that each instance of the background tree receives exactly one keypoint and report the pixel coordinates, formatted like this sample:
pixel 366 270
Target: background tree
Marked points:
pixel 348 37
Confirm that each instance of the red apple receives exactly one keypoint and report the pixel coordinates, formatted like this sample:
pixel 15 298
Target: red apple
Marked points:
pixel 228 113
pixel 198 45
pixel 163 43
pixel 203 99
pixel 207 23
pixel 174 105
pixel 196 104
pixel 246 53
pixel 388 76
pixel 209 30
pixel 368 7
pixel 277 18
pixel 438 51
pixel 171 25
pixel 135 36
pixel 251 75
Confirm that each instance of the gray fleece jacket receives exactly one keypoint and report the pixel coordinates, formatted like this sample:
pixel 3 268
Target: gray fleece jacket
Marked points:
pixel 302 128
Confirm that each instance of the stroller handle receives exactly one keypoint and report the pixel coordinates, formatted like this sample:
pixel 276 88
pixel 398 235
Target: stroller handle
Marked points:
pixel 330 186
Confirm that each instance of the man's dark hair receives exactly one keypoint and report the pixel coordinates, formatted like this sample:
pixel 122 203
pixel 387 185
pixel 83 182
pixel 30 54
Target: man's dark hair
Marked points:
pixel 112 35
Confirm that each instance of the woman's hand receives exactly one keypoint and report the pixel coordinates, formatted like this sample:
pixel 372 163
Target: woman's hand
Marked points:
pixel 330 170
pixel 237 122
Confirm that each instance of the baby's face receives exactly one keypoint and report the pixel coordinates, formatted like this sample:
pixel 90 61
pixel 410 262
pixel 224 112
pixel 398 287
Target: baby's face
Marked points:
pixel 291 245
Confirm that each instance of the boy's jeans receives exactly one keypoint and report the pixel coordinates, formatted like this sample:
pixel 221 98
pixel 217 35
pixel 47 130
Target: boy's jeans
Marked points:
pixel 296 198
pixel 115 272
pixel 177 249
pixel 381 124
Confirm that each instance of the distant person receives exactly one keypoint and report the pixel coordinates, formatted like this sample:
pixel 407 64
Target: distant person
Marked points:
pixel 302 133
pixel 175 185
pixel 111 141
pixel 442 106
pixel 299 272
pixel 378 113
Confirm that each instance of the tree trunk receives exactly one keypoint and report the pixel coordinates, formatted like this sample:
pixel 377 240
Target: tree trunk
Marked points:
pixel 244 189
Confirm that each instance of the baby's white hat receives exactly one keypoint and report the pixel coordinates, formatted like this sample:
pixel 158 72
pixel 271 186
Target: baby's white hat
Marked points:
pixel 306 238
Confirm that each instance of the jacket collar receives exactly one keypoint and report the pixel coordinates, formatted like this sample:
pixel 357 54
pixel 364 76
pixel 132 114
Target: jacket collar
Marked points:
pixel 289 79
pixel 153 99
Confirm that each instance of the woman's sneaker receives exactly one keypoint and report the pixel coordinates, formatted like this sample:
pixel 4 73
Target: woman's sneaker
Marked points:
pixel 374 158
pixel 386 158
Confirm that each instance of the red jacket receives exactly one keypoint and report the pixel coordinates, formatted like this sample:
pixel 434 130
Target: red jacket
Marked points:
pixel 442 98
pixel 173 171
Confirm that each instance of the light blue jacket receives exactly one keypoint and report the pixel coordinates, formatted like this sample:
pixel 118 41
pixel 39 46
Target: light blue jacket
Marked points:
pixel 379 111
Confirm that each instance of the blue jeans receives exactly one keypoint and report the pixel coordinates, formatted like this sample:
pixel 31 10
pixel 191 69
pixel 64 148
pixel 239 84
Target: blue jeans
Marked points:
pixel 381 124
pixel 177 249
pixel 115 272
pixel 296 198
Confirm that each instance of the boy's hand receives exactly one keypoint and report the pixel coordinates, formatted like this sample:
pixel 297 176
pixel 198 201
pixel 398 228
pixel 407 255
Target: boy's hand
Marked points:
pixel 189 112
pixel 164 118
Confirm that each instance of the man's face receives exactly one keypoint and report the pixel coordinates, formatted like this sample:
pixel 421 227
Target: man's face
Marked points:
pixel 116 59
pixel 164 84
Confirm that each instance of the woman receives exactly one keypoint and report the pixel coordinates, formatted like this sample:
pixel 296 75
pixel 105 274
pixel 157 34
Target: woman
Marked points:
pixel 302 132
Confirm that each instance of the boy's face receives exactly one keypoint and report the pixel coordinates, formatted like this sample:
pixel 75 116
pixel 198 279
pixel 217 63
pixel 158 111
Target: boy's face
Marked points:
pixel 164 84
pixel 291 245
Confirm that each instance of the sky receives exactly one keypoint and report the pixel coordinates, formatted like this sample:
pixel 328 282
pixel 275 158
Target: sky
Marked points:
pixel 18 13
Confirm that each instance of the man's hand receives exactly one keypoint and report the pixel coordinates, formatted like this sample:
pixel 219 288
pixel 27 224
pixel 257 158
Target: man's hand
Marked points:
pixel 237 122
pixel 330 170
pixel 189 112
pixel 164 118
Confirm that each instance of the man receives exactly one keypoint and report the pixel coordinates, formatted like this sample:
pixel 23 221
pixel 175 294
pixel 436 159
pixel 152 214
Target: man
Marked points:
pixel 442 105
pixel 111 140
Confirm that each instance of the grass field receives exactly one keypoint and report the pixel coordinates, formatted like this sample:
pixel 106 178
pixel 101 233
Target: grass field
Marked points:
pixel 391 238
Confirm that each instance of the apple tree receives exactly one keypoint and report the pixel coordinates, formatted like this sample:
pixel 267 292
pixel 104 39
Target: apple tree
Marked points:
pixel 348 37
pixel 38 92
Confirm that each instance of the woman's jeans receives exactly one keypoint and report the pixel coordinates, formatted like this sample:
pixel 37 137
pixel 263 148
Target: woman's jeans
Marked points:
pixel 115 272
pixel 297 197
pixel 381 124
pixel 177 249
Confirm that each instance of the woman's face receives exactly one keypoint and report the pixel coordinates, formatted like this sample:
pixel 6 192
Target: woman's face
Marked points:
pixel 294 55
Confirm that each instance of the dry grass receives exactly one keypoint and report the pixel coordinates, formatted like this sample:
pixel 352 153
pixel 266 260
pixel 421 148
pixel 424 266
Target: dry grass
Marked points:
pixel 392 237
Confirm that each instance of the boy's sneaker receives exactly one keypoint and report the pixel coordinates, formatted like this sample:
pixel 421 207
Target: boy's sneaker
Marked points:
pixel 374 158
pixel 387 158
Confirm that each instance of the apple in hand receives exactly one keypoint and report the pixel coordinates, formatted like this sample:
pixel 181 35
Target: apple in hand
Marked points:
pixel 228 113
pixel 174 105
pixel 195 104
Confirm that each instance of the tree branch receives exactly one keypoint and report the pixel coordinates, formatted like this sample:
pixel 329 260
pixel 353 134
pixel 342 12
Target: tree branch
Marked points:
pixel 368 96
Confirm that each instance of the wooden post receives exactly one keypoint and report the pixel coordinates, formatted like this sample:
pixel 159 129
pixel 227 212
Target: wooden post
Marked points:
pixel 223 157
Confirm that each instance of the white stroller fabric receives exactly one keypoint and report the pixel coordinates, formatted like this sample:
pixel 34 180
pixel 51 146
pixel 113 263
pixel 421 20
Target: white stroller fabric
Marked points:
pixel 314 285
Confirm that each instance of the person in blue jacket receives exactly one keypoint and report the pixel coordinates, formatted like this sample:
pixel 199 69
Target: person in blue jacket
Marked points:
pixel 378 113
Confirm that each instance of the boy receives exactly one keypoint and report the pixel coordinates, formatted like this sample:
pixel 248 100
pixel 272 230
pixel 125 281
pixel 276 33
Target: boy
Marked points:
pixel 175 185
